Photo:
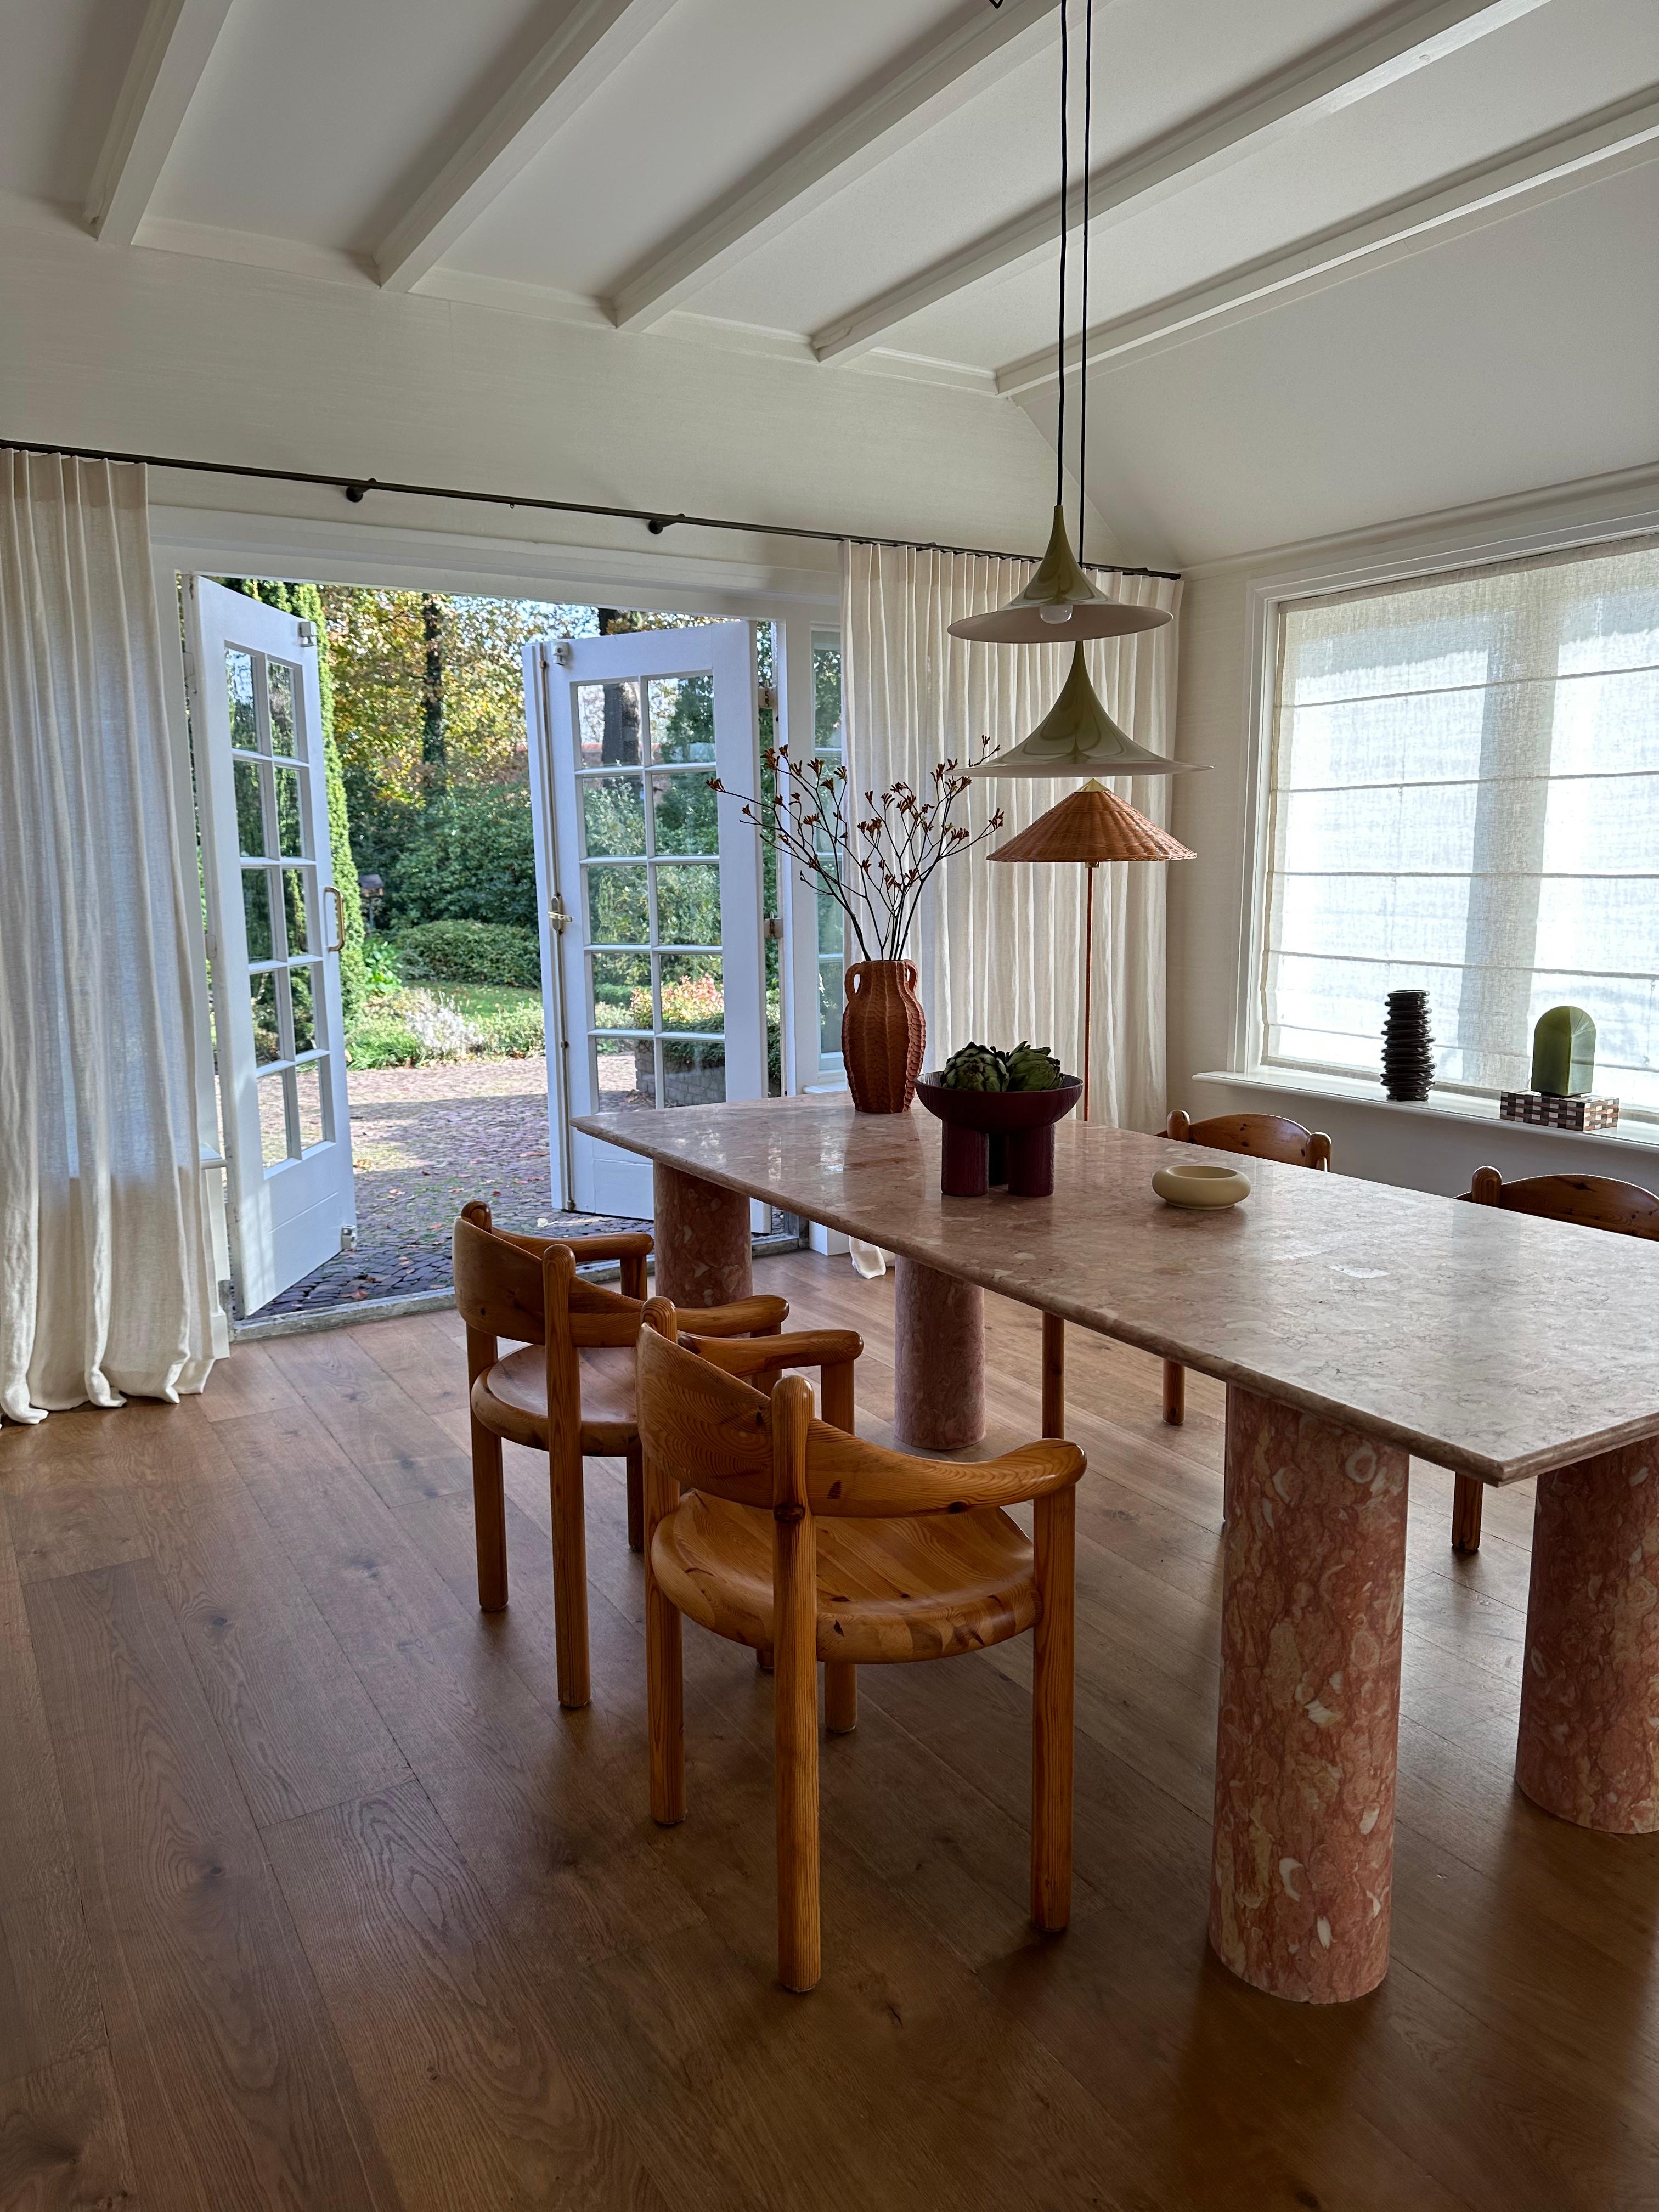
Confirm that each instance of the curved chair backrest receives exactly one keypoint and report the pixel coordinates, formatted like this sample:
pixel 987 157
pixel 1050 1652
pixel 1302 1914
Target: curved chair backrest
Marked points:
pixel 503 1283
pixel 1595 1201
pixel 1269 1136
pixel 709 1430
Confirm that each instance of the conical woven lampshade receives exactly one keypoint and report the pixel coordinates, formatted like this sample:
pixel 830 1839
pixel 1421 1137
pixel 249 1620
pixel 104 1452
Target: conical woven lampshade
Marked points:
pixel 1078 736
pixel 1093 824
pixel 1059 603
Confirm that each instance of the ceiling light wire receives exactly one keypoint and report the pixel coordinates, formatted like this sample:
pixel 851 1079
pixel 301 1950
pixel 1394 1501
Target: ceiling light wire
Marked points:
pixel 1083 350
pixel 1065 213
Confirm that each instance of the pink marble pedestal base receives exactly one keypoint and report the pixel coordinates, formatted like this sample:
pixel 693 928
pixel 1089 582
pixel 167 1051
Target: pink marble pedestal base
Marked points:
pixel 938 1363
pixel 705 1256
pixel 1589 1748
pixel 1316 1574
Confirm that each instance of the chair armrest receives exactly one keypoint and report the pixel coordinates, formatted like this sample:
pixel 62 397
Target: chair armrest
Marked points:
pixel 868 1482
pixel 757 1355
pixel 742 1317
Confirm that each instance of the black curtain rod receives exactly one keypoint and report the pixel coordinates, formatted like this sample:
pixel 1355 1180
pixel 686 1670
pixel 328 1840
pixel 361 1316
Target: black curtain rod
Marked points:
pixel 357 489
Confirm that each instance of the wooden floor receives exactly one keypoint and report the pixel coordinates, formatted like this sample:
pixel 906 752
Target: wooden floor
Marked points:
pixel 311 1896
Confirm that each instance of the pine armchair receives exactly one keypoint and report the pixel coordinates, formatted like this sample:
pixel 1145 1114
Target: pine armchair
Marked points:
pixel 568 1392
pixel 771 1527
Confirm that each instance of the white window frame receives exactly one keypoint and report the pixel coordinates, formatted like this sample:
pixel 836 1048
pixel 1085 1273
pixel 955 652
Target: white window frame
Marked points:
pixel 1460 546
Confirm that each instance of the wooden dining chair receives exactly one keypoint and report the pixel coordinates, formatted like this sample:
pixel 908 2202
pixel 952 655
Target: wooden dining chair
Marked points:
pixel 568 1392
pixel 1597 1202
pixel 769 1527
pixel 1270 1137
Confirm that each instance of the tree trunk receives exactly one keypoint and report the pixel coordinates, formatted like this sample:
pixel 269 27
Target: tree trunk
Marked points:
pixel 619 743
pixel 435 752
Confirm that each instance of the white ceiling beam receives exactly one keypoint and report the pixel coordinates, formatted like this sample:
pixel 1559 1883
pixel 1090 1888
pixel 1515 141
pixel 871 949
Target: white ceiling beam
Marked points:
pixel 175 41
pixel 1337 76
pixel 1627 132
pixel 846 142
pixel 591 41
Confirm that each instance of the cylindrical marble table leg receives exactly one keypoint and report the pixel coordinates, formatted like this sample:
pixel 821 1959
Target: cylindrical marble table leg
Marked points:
pixel 1589 1749
pixel 939 1381
pixel 1316 1572
pixel 704 1255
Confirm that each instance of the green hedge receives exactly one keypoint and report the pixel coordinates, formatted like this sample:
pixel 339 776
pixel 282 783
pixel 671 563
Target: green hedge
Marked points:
pixel 471 952
pixel 471 857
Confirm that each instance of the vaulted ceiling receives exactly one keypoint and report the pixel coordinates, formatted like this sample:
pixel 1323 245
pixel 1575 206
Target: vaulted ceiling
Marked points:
pixel 1349 261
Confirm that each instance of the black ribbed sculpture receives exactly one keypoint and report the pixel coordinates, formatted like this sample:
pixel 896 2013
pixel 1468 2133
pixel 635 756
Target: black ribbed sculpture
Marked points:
pixel 1408 1065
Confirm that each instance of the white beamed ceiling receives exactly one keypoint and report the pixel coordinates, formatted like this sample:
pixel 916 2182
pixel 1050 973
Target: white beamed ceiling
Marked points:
pixel 315 128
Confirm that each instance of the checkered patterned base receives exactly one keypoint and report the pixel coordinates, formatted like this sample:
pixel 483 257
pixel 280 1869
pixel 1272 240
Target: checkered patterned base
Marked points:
pixel 1549 1113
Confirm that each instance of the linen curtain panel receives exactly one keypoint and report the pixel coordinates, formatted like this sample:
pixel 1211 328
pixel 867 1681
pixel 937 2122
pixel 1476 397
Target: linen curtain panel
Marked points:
pixel 999 948
pixel 105 1276
pixel 1466 800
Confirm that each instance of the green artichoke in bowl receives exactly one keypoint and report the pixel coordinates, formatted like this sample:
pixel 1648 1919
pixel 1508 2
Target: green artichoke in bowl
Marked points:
pixel 1033 1067
pixel 976 1067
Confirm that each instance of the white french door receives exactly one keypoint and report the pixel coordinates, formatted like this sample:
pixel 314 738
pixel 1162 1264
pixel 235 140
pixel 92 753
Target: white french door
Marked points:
pixel 650 883
pixel 274 932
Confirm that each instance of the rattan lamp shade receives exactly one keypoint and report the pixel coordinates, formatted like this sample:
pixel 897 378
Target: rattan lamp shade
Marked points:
pixel 1091 825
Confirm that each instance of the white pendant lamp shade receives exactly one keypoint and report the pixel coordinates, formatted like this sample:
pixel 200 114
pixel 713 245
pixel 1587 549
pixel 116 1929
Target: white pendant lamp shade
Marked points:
pixel 1059 604
pixel 1078 736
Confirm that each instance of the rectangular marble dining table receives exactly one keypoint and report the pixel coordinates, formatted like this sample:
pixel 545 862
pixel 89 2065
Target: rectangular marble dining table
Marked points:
pixel 1354 1324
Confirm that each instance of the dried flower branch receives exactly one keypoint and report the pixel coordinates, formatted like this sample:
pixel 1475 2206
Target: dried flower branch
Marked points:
pixel 877 868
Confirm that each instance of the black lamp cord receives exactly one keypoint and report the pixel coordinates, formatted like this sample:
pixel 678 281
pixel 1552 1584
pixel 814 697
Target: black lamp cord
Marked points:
pixel 1064 211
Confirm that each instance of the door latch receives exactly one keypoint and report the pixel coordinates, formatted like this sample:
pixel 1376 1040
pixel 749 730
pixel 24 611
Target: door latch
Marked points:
pixel 558 915
pixel 308 631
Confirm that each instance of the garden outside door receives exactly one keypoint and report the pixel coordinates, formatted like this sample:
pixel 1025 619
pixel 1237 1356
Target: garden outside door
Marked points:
pixel 650 884
pixel 275 926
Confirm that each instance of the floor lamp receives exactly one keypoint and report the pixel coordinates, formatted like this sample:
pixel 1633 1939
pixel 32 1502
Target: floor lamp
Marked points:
pixel 1092 825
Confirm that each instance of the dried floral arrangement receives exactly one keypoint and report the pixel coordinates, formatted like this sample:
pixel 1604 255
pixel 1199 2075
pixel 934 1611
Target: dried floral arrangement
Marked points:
pixel 877 868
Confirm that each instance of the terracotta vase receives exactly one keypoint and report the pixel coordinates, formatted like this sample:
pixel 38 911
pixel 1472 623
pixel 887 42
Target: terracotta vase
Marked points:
pixel 882 1035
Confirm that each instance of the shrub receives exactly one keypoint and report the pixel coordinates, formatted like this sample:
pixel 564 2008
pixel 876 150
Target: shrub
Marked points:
pixel 471 952
pixel 471 857
pixel 383 1040
pixel 382 970
pixel 689 1002
pixel 517 1034
pixel 444 1031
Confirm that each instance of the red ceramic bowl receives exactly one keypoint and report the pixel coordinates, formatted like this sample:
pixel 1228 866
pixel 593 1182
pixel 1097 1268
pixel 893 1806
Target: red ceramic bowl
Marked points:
pixel 1019 1125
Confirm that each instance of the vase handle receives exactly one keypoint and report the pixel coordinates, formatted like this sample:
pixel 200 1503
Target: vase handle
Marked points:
pixel 909 968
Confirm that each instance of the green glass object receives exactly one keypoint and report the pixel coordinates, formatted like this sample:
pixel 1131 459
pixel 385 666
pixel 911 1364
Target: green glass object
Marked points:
pixel 1564 1052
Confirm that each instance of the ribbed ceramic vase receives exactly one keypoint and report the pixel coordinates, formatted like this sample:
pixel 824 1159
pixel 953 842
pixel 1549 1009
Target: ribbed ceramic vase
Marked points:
pixel 882 1035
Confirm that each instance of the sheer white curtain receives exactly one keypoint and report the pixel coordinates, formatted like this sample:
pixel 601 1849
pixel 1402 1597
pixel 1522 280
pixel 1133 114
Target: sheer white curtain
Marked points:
pixel 104 1277
pixel 999 948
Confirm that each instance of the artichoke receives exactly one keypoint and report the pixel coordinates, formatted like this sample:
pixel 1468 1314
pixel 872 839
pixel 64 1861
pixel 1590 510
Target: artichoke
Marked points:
pixel 1032 1067
pixel 976 1067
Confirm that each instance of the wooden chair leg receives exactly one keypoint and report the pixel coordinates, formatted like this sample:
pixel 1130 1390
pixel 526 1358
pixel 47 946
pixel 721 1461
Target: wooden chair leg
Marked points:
pixel 1054 1376
pixel 763 1658
pixel 1466 1513
pixel 664 1704
pixel 1175 1393
pixel 569 1578
pixel 795 1689
pixel 635 1465
pixel 841 1697
pixel 1055 1529
pixel 488 1518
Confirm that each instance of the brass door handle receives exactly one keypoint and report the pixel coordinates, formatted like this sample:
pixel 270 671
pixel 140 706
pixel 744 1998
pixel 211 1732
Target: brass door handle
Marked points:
pixel 332 891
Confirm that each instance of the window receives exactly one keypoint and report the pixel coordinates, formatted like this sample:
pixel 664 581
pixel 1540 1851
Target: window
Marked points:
pixel 1465 799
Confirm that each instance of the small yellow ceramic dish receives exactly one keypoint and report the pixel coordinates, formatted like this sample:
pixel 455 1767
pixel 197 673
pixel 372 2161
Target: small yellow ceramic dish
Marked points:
pixel 1191 1182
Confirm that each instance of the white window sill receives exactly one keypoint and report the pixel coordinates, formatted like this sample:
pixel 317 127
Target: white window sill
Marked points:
pixel 1439 1106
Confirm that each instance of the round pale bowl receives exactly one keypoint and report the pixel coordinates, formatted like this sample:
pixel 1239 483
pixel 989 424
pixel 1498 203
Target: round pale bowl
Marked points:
pixel 1196 1183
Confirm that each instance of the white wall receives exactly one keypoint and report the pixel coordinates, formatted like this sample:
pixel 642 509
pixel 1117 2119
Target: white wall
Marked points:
pixel 1223 613
pixel 143 351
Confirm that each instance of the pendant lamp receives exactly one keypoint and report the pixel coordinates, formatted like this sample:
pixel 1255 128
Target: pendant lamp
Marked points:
pixel 1077 737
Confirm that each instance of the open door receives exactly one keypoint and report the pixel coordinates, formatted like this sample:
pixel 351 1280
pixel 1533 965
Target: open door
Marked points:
pixel 274 935
pixel 651 884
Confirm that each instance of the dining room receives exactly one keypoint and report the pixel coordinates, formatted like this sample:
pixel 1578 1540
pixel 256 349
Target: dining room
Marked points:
pixel 1025 1566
